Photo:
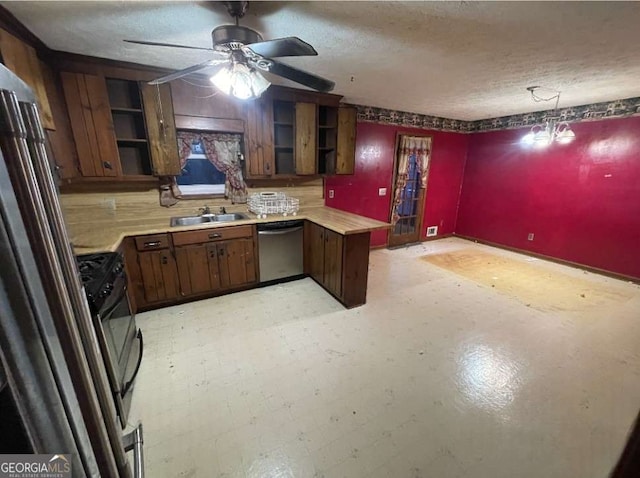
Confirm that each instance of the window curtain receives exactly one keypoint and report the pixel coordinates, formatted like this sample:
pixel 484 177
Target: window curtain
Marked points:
pixel 222 150
pixel 421 148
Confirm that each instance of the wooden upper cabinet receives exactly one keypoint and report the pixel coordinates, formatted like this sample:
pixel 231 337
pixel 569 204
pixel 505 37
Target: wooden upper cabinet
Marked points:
pixel 346 147
pixel 23 61
pixel 306 139
pixel 161 129
pixel 91 124
pixel 259 139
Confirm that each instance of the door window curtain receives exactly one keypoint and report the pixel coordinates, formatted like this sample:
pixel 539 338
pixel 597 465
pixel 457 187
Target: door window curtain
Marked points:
pixel 222 150
pixel 421 148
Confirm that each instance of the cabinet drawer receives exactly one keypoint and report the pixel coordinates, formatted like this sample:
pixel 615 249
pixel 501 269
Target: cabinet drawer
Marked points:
pixel 214 234
pixel 152 242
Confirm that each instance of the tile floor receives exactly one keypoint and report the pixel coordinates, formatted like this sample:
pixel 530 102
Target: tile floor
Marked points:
pixel 436 376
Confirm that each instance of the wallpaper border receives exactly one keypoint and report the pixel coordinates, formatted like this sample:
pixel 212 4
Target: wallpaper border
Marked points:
pixel 595 111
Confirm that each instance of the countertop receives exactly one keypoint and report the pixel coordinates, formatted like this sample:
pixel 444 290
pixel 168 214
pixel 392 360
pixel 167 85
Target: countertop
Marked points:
pixel 89 238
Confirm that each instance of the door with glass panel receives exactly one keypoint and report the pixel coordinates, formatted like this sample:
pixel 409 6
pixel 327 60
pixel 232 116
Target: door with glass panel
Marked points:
pixel 407 206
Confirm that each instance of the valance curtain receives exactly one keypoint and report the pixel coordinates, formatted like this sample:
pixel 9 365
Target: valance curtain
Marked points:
pixel 222 150
pixel 421 148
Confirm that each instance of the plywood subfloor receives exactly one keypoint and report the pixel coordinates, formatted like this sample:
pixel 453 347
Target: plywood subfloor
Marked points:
pixel 524 279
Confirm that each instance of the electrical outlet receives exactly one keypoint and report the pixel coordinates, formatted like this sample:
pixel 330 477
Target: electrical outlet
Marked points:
pixel 382 191
pixel 331 193
pixel 432 231
pixel 530 236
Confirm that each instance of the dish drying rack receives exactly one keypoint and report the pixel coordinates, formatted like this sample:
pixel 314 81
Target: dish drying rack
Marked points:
pixel 265 203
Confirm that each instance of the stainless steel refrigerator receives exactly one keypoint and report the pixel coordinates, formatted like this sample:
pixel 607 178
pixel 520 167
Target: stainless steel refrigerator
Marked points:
pixel 50 361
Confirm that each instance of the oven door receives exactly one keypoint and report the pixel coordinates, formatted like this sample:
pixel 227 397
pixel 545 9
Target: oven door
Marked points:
pixel 117 334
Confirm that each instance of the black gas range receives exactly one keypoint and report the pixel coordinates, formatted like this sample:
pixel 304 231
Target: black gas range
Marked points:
pixel 105 282
pixel 98 273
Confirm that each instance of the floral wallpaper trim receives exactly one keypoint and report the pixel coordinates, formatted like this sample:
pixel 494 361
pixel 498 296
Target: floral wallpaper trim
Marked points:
pixel 609 109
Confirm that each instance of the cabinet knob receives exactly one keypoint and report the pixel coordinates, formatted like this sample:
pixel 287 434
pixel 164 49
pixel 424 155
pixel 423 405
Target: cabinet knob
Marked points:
pixel 164 260
pixel 107 165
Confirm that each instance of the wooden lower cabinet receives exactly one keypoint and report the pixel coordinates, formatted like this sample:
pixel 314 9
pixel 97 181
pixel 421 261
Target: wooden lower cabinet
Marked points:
pixel 338 263
pixel 237 262
pixel 209 262
pixel 192 264
pixel 314 251
pixel 198 269
pixel 158 276
pixel 333 262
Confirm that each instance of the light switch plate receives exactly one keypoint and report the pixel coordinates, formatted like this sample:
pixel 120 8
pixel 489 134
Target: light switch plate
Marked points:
pixel 332 193
pixel 382 191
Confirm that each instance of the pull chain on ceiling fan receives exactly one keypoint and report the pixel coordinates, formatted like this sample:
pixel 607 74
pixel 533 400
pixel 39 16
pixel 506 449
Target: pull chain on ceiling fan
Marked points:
pixel 240 54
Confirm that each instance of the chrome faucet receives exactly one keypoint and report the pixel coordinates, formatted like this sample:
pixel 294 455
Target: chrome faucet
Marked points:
pixel 204 210
pixel 222 210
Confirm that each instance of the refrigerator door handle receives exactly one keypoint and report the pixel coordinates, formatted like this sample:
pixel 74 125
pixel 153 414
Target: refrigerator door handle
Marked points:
pixel 134 441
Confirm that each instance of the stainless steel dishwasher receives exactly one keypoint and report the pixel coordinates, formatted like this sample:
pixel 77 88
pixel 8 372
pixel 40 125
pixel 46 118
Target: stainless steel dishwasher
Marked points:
pixel 280 250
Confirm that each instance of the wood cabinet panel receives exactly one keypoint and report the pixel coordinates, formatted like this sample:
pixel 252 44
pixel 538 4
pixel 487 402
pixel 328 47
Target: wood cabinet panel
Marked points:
pixel 237 262
pixel 355 268
pixel 23 61
pixel 91 124
pixel 152 242
pixel 198 268
pixel 305 139
pixel 314 251
pixel 190 100
pixel 161 129
pixel 159 276
pixel 259 139
pixel 338 263
pixel 333 262
pixel 346 148
pixel 207 235
pixel 60 139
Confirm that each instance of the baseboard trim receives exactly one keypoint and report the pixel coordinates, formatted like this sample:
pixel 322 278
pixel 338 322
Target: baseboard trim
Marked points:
pixel 557 260
pixel 424 239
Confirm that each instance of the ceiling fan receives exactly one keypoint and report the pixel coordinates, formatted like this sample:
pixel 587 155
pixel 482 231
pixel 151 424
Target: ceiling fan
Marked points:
pixel 240 53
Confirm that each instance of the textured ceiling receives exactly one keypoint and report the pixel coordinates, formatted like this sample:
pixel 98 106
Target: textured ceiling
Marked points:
pixel 461 60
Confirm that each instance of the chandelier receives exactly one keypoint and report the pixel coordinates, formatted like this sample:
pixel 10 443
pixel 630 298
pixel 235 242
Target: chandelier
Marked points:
pixel 553 129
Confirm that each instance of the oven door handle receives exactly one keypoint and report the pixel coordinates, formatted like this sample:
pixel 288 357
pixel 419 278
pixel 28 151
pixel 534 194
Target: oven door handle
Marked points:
pixel 129 384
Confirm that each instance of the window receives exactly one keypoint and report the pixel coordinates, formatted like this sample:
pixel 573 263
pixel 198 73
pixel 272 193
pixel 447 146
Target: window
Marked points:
pixel 199 175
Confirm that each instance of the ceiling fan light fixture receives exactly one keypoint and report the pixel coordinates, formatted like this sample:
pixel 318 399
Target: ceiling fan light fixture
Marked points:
pixel 240 81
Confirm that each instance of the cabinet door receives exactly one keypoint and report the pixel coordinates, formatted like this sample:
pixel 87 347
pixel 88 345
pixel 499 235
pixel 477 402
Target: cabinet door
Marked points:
pixel 161 129
pixel 198 269
pixel 346 148
pixel 314 251
pixel 91 124
pixel 23 61
pixel 333 262
pixel 259 139
pixel 236 260
pixel 159 275
pixel 306 140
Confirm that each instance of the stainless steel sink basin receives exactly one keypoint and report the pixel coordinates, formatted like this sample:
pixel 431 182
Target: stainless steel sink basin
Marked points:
pixel 227 217
pixel 205 218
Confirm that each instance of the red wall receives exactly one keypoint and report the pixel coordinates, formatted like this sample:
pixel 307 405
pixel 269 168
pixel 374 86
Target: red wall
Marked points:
pixel 581 200
pixel 375 144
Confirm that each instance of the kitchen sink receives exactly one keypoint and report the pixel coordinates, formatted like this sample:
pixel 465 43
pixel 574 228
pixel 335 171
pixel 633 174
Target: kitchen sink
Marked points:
pixel 205 218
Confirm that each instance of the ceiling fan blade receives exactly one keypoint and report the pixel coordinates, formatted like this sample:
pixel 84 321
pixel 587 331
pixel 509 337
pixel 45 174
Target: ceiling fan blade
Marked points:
pixel 307 79
pixel 152 43
pixel 289 46
pixel 187 71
